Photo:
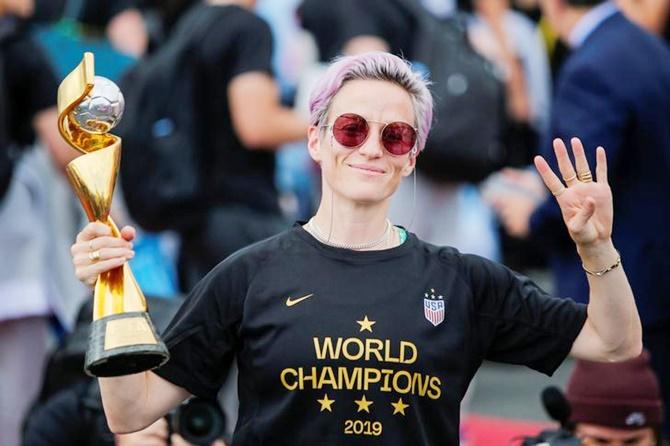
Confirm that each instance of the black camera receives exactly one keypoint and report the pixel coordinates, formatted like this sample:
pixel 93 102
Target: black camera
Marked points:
pixel 557 437
pixel 558 408
pixel 198 421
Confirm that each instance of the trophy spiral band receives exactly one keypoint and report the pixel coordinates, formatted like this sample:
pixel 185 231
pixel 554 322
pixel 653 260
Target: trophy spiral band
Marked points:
pixel 123 339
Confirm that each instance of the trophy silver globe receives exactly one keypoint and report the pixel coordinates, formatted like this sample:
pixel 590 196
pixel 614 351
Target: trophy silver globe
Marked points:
pixel 102 109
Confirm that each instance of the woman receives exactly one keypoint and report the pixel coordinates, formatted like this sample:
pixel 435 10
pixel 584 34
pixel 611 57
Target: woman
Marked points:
pixel 350 330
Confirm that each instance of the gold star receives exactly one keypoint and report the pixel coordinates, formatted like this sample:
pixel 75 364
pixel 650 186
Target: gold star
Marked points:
pixel 366 324
pixel 399 407
pixel 363 404
pixel 326 403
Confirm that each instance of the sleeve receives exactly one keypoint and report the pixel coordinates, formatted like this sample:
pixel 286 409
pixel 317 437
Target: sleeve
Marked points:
pixel 253 46
pixel 517 322
pixel 32 87
pixel 203 335
pixel 586 107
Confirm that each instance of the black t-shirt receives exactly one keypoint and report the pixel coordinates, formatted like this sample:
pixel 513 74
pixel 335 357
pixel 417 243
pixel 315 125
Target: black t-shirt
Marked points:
pixel 333 23
pixel 359 347
pixel 240 43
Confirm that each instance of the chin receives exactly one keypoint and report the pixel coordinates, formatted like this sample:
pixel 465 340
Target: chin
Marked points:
pixel 368 193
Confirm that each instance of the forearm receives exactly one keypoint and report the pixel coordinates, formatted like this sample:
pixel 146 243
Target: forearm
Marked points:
pixel 611 311
pixel 133 402
pixel 124 399
pixel 283 126
pixel 260 121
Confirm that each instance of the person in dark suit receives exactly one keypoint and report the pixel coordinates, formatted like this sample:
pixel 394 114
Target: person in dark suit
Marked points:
pixel 614 90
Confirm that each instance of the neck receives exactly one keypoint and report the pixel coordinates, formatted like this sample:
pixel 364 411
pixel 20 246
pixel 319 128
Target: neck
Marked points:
pixel 571 18
pixel 346 222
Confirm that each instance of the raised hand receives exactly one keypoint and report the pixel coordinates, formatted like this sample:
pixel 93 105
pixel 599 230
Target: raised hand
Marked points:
pixel 586 205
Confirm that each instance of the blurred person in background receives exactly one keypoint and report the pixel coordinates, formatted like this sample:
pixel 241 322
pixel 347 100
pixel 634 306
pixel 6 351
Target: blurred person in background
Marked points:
pixel 514 44
pixel 241 124
pixel 245 124
pixel 34 286
pixel 620 74
pixel 616 404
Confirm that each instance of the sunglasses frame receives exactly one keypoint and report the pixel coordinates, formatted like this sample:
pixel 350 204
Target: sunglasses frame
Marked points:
pixel 412 151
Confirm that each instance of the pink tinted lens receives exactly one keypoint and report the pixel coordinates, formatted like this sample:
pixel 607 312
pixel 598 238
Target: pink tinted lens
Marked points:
pixel 350 130
pixel 398 138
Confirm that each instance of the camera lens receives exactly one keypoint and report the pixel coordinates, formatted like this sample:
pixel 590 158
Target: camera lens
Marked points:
pixel 199 421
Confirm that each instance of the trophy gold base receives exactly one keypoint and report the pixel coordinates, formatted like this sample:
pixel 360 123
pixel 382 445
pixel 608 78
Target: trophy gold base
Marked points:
pixel 122 344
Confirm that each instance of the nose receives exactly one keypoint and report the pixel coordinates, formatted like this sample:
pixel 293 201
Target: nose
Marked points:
pixel 372 147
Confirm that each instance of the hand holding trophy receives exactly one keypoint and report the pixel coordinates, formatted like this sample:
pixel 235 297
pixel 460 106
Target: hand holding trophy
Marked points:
pixel 123 339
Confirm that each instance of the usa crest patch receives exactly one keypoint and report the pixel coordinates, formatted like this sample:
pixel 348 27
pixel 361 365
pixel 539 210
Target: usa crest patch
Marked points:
pixel 433 308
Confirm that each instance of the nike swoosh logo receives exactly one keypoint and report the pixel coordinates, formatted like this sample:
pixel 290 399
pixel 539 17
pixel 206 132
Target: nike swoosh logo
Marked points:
pixel 290 303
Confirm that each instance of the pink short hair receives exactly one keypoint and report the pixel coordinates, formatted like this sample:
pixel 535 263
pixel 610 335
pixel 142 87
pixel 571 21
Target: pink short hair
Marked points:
pixel 374 66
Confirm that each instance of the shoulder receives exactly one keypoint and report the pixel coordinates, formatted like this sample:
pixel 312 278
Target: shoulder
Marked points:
pixel 470 269
pixel 614 45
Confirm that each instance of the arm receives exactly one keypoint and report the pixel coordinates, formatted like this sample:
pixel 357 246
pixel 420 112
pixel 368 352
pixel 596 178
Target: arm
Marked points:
pixel 612 330
pixel 259 119
pixel 200 338
pixel 133 402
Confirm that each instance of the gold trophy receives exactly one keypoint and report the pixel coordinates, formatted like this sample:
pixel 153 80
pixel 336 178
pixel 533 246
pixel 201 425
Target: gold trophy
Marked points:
pixel 123 339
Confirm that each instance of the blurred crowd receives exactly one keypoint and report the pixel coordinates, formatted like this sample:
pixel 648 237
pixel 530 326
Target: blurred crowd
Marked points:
pixel 215 159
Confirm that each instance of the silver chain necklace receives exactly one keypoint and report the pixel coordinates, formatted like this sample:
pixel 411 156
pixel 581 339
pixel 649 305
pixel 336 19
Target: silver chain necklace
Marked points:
pixel 316 232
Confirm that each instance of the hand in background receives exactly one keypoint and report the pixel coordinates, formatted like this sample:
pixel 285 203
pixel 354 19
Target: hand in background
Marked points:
pixel 514 194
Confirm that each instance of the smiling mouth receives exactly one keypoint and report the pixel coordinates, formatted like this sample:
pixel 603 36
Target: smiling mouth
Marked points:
pixel 367 169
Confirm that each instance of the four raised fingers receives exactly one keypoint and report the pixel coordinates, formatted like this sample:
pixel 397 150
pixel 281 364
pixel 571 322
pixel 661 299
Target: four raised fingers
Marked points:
pixel 571 175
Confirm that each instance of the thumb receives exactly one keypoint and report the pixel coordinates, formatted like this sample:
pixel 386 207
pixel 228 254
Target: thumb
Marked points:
pixel 585 213
pixel 128 233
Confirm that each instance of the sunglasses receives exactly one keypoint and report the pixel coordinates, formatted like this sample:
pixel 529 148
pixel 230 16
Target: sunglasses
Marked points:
pixel 352 130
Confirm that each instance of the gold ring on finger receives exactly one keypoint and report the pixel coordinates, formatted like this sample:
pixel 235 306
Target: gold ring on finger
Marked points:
pixel 559 192
pixel 94 256
pixel 567 180
pixel 585 177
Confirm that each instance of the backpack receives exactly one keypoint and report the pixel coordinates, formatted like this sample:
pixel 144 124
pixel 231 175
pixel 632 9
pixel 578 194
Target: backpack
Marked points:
pixel 464 144
pixel 162 141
